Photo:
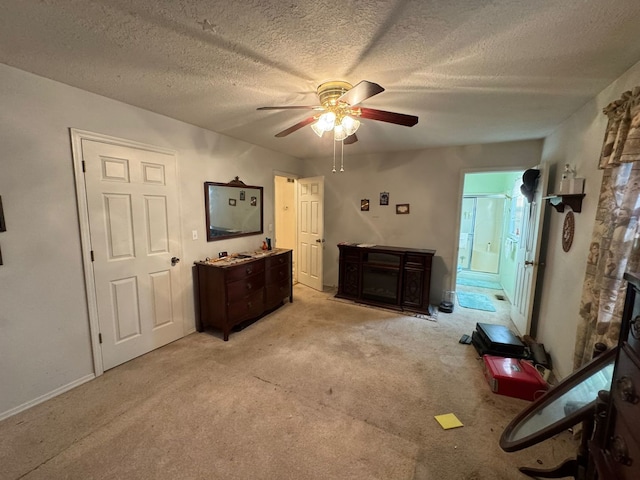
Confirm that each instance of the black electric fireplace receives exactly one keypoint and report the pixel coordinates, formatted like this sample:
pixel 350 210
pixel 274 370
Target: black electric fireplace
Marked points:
pixel 380 273
pixel 391 277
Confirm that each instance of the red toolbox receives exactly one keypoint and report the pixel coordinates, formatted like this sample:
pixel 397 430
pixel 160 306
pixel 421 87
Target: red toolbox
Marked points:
pixel 513 377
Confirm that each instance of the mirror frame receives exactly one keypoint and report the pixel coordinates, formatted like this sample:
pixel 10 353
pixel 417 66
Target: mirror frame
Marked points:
pixel 235 183
pixel 509 445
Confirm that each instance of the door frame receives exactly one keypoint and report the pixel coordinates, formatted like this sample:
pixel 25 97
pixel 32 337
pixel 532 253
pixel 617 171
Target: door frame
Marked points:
pixel 77 136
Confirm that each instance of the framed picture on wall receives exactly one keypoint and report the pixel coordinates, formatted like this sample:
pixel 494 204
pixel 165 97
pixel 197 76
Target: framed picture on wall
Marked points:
pixel 242 195
pixel 402 209
pixel 384 198
pixel 3 226
pixel 232 202
pixel 364 205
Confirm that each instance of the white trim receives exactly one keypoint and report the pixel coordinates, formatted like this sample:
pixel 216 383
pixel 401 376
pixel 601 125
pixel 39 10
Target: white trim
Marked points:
pixel 85 232
pixel 47 396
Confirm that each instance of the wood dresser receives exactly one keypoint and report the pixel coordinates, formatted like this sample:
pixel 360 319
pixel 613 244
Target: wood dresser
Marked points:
pixel 242 288
pixel 393 277
pixel 615 447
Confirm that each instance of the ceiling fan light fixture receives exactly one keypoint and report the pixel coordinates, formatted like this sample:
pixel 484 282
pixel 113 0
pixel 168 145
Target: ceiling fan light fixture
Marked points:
pixel 317 129
pixel 327 121
pixel 350 125
pixel 339 133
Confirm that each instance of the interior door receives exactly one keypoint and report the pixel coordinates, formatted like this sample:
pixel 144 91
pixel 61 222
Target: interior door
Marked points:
pixel 132 205
pixel 310 231
pixel 528 257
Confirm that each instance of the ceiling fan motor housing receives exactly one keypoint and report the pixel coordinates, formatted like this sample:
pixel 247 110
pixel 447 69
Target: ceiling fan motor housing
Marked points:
pixel 329 92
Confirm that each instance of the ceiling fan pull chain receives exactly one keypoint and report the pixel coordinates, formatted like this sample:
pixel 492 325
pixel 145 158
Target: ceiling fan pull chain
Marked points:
pixel 334 157
pixel 341 154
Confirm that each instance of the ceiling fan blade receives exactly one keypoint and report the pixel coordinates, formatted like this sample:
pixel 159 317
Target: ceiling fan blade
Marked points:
pixel 350 139
pixel 294 107
pixel 360 92
pixel 295 127
pixel 390 117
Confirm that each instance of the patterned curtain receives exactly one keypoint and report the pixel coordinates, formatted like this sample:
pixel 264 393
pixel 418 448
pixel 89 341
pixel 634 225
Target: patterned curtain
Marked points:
pixel 615 243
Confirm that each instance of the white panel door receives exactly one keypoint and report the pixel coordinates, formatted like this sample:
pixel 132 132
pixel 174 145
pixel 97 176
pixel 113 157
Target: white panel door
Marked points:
pixel 310 231
pixel 528 257
pixel 132 204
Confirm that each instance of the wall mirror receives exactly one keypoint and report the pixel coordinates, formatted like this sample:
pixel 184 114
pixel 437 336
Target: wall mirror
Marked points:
pixel 232 209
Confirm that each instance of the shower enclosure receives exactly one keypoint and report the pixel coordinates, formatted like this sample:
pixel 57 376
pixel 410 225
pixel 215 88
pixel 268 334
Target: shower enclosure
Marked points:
pixel 481 230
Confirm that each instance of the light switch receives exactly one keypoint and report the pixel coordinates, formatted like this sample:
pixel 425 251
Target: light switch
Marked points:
pixel 194 234
pixel 270 227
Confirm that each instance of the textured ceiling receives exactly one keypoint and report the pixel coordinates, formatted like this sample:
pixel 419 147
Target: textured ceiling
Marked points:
pixel 474 71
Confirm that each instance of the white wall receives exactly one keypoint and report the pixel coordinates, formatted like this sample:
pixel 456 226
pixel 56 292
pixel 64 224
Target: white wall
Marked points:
pixel 577 141
pixel 44 328
pixel 429 180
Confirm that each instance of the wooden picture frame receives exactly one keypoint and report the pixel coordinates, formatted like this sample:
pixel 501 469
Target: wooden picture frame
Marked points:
pixel 364 205
pixel 3 226
pixel 402 209
pixel 232 202
pixel 384 198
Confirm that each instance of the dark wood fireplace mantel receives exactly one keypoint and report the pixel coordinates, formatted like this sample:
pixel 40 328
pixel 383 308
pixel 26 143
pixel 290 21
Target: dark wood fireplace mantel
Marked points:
pixel 392 277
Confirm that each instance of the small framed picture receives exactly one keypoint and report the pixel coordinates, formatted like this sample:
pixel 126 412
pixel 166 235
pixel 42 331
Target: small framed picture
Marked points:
pixel 232 202
pixel 242 195
pixel 402 208
pixel 384 198
pixel 3 226
pixel 254 201
pixel 364 205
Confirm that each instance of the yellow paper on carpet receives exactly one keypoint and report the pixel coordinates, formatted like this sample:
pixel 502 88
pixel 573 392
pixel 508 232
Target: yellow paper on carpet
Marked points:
pixel 448 420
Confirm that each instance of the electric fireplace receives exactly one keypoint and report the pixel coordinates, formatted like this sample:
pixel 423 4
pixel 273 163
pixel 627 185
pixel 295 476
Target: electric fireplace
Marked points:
pixel 392 277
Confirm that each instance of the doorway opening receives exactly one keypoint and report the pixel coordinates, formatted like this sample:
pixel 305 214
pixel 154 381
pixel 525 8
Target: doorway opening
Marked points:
pixel 285 227
pixel 489 235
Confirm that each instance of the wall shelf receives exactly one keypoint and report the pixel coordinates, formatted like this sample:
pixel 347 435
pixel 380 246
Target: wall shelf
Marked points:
pixel 560 200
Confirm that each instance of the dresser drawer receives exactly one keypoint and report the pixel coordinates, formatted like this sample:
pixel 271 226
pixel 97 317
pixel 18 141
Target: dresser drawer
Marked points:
pixel 634 333
pixel 622 453
pixel 240 289
pixel 244 270
pixel 275 293
pixel 277 260
pixel 278 274
pixel 626 391
pixel 247 308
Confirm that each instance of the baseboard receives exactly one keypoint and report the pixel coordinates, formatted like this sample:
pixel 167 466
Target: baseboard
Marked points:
pixel 46 396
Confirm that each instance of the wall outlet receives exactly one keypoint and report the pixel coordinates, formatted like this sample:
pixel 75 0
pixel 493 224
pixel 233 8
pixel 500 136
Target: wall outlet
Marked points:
pixel 194 234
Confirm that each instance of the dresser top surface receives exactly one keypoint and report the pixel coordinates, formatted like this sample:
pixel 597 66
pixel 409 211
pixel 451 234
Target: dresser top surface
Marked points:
pixel 242 257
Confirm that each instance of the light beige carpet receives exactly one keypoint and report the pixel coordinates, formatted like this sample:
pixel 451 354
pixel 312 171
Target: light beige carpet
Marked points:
pixel 319 389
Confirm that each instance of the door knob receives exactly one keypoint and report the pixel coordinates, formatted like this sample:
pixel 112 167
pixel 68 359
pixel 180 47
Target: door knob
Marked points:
pixel 174 260
pixel 530 262
pixel 319 241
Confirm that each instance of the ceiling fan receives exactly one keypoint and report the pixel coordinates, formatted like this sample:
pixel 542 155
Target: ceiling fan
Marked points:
pixel 339 111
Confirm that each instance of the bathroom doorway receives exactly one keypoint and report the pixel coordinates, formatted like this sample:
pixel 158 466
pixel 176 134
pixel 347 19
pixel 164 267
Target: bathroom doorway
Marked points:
pixel 488 233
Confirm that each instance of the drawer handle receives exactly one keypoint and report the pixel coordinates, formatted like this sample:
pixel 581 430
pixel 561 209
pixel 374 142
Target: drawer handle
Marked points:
pixel 626 390
pixel 249 270
pixel 249 286
pixel 635 327
pixel 619 450
pixel 249 304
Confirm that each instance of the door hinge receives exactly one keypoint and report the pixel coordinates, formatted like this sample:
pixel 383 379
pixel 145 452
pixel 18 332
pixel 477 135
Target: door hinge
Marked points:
pixel 84 166
pixel 99 338
pixel 92 259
